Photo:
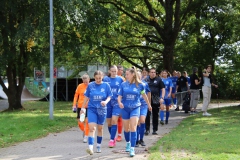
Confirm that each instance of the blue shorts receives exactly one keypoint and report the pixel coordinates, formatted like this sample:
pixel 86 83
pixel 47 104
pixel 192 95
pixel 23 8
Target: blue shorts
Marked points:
pixel 167 101
pixel 114 111
pixel 143 110
pixel 97 115
pixel 127 113
pixel 173 90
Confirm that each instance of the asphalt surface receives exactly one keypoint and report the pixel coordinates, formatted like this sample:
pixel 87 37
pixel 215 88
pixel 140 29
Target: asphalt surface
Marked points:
pixel 69 145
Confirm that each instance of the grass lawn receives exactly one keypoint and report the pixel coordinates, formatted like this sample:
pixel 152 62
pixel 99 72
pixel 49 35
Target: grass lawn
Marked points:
pixel 34 122
pixel 197 137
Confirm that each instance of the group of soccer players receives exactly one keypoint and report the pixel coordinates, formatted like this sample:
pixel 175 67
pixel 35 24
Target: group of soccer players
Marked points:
pixel 112 98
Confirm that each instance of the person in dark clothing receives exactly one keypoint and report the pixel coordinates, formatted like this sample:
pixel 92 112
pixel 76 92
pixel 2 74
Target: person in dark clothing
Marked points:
pixel 194 89
pixel 182 86
pixel 156 86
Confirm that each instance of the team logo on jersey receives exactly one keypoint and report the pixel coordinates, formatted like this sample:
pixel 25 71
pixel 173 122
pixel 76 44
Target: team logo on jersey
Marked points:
pixel 117 83
pixel 167 82
pixel 155 81
pixel 102 90
pixel 135 89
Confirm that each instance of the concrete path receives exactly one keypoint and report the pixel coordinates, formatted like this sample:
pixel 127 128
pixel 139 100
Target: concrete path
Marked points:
pixel 69 145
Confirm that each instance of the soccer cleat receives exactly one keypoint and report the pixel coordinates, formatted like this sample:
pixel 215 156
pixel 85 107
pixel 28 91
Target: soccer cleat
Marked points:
pixel 112 143
pixel 85 139
pixel 99 149
pixel 132 152
pixel 89 151
pixel 128 147
pixel 146 133
pixel 166 121
pixel 119 138
pixel 142 143
pixel 161 122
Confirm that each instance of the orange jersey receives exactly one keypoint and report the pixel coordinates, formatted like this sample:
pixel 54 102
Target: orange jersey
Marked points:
pixel 79 95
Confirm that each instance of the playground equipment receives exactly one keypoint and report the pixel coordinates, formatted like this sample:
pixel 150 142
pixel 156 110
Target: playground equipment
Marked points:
pixel 37 87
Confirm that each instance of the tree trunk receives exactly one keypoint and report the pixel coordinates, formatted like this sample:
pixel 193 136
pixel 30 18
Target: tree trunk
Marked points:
pixel 168 59
pixel 14 90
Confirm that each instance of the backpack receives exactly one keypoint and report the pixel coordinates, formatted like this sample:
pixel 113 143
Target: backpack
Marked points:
pixel 186 103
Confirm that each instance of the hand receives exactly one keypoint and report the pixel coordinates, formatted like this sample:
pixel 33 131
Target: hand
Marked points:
pixel 121 105
pixel 216 86
pixel 161 101
pixel 103 103
pixel 169 95
pixel 83 110
pixel 74 109
pixel 150 108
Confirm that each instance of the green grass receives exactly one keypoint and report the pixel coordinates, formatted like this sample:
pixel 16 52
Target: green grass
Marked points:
pixel 34 122
pixel 198 137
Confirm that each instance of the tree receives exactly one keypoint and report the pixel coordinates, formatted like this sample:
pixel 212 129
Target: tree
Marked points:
pixel 19 21
pixel 156 23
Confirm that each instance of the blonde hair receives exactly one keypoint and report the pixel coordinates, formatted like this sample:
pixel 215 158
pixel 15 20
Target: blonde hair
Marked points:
pixel 136 78
pixel 85 76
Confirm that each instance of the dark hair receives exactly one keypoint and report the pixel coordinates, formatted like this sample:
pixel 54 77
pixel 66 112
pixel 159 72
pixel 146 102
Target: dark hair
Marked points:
pixel 208 66
pixel 98 73
pixel 145 69
pixel 195 69
pixel 119 66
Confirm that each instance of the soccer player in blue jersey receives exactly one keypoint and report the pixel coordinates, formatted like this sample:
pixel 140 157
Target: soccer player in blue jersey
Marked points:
pixel 113 109
pixel 188 78
pixel 167 98
pixel 174 79
pixel 143 114
pixel 129 100
pixel 98 94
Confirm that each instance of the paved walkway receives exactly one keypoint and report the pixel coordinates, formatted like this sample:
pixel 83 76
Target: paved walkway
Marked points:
pixel 69 145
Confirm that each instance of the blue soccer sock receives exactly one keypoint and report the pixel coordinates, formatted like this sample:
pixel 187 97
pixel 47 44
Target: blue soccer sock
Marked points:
pixel 109 129
pixel 99 140
pixel 138 132
pixel 126 135
pixel 162 115
pixel 133 138
pixel 90 140
pixel 141 130
pixel 175 101
pixel 167 115
pixel 113 131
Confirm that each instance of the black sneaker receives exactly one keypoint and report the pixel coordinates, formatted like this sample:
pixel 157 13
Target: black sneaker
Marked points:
pixel 166 121
pixel 177 109
pixel 146 133
pixel 161 122
pixel 137 143
pixel 154 132
pixel 142 143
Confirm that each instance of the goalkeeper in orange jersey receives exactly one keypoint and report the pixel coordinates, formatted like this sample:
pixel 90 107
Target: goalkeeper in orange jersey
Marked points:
pixel 78 99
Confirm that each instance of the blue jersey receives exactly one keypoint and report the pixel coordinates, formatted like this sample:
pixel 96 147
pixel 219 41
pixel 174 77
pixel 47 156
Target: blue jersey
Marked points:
pixel 189 81
pixel 97 93
pixel 131 94
pixel 147 90
pixel 174 81
pixel 168 84
pixel 114 85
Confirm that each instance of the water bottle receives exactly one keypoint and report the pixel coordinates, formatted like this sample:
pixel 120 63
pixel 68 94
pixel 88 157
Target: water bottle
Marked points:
pixel 82 117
